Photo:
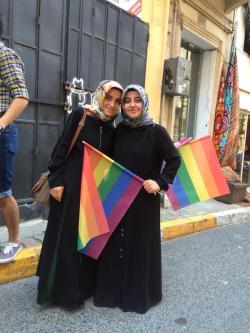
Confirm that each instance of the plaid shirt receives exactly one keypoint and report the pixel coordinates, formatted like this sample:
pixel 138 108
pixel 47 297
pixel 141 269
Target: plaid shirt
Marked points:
pixel 12 82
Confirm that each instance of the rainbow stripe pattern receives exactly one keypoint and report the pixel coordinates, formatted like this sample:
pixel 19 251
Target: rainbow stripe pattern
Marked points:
pixel 199 177
pixel 107 191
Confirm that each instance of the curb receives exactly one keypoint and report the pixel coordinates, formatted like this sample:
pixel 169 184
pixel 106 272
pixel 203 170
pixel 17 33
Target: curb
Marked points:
pixel 190 225
pixel 26 261
pixel 24 265
pixel 186 226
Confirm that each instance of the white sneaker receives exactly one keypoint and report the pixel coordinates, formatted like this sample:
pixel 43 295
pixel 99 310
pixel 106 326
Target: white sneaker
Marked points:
pixel 9 252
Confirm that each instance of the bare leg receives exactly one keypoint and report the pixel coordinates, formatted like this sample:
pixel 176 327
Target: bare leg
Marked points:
pixel 11 218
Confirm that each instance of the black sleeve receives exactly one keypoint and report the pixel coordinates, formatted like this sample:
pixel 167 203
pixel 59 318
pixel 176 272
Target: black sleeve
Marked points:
pixel 169 154
pixel 61 148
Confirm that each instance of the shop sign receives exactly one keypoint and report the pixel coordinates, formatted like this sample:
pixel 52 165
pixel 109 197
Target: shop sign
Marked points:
pixel 132 6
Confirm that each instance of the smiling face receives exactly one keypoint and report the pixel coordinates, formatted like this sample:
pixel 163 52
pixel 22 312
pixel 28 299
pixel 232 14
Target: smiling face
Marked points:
pixel 132 104
pixel 112 102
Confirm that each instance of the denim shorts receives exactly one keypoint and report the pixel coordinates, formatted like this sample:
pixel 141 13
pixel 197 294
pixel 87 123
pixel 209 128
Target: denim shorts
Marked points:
pixel 8 146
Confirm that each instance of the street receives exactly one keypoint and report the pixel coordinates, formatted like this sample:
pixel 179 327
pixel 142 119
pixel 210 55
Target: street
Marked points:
pixel 206 288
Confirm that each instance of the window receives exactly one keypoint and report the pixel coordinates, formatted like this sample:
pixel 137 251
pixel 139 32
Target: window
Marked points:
pixel 186 107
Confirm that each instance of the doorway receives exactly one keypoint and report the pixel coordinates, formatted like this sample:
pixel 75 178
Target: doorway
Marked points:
pixel 192 113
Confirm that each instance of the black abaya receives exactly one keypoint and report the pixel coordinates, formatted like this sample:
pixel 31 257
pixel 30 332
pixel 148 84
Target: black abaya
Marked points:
pixel 129 269
pixel 67 277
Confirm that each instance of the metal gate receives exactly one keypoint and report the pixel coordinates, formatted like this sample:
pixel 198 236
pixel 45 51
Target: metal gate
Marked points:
pixel 57 41
pixel 105 42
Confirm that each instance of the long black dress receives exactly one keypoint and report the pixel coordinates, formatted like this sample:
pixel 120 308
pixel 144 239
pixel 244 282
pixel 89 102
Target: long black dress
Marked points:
pixel 129 269
pixel 67 277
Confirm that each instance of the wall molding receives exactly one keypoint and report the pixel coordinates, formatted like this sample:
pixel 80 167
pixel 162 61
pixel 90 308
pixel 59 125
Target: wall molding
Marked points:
pixel 232 4
pixel 192 26
pixel 213 14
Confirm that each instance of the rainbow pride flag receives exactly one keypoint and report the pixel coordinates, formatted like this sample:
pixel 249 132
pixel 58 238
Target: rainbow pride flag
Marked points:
pixel 199 177
pixel 107 191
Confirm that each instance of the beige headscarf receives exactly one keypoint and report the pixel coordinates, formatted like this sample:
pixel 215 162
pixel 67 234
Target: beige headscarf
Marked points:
pixel 98 98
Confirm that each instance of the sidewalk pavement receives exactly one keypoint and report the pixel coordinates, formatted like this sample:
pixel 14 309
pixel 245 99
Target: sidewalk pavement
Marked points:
pixel 192 219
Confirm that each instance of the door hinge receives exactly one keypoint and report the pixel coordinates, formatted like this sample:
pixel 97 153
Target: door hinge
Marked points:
pixel 36 151
pixel 38 21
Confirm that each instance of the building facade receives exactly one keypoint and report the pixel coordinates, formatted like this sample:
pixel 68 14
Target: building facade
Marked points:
pixel 198 30
pixel 201 32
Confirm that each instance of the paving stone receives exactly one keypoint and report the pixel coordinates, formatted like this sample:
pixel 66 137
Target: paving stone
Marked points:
pixel 201 208
pixel 30 242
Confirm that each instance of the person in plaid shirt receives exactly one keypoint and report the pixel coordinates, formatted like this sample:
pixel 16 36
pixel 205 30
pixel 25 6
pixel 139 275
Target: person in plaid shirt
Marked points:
pixel 13 100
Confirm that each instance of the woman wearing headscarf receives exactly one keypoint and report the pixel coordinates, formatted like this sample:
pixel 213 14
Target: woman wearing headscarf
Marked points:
pixel 66 277
pixel 129 268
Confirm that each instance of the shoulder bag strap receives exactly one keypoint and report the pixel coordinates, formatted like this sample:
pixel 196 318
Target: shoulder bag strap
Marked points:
pixel 77 132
